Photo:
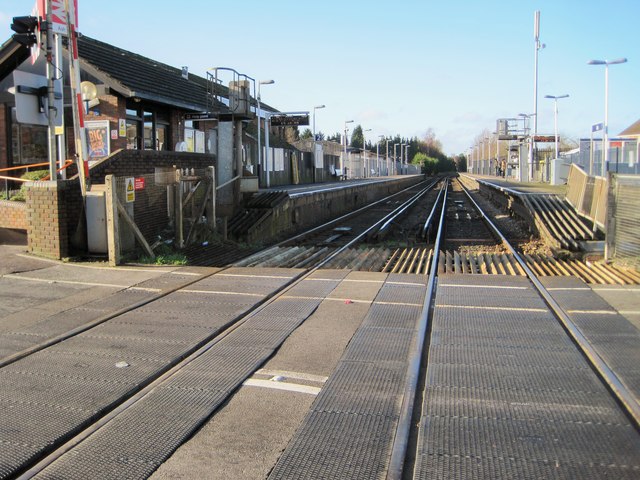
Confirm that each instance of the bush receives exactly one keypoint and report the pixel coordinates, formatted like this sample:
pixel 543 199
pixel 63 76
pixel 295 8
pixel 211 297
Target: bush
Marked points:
pixel 33 176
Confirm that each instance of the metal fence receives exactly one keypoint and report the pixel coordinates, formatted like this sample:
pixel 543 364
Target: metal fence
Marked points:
pixel 623 228
pixel 158 213
pixel 621 160
pixel 588 195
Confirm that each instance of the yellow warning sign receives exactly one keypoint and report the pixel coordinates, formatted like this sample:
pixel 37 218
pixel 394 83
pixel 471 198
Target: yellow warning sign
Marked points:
pixel 131 191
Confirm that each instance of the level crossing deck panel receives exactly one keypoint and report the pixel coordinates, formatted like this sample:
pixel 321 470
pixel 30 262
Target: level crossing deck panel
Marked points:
pixel 496 407
pixel 138 440
pixel 93 382
pixel 614 337
pixel 350 429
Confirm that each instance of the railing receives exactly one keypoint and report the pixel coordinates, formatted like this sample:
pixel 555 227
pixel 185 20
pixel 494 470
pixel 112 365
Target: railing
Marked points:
pixel 8 179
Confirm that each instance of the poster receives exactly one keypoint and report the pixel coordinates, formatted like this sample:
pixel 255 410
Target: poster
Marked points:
pixel 97 133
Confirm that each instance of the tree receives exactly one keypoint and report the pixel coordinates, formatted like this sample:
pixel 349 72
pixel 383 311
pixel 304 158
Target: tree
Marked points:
pixel 336 137
pixel 306 133
pixel 357 137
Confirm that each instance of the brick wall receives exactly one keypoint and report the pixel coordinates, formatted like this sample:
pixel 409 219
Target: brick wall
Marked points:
pixel 13 215
pixel 129 163
pixel 53 210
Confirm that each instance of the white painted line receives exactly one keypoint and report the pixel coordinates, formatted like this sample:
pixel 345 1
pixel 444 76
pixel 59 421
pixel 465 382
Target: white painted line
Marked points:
pixel 629 312
pixel 509 309
pixel 279 277
pixel 569 289
pixel 400 304
pixel 362 281
pixel 212 292
pixel 289 387
pixel 297 375
pixel 598 312
pixel 407 284
pixel 330 299
pixel 68 282
pixel 505 287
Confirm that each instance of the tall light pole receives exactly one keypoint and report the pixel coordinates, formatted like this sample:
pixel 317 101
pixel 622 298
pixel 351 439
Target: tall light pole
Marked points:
pixel 364 153
pixel 395 156
pixel 317 107
pixel 402 168
pixel 313 145
pixel 342 164
pixel 605 134
pixel 555 116
pixel 378 153
pixel 406 156
pixel 538 46
pixel 387 158
pixel 266 167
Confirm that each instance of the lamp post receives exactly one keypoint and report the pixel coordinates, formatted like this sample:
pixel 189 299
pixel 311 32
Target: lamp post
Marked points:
pixel 605 134
pixel 538 46
pixel 555 116
pixel 387 158
pixel 343 161
pixel 266 167
pixel 364 153
pixel 317 107
pixel 402 168
pixel 406 157
pixel 395 156
pixel 378 154
pixel 314 140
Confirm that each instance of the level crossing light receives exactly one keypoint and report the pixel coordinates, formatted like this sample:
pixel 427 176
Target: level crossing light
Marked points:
pixel 266 167
pixel 555 116
pixel 342 161
pixel 605 135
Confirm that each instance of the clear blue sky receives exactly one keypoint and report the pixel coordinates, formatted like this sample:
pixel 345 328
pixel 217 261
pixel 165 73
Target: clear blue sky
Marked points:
pixel 395 67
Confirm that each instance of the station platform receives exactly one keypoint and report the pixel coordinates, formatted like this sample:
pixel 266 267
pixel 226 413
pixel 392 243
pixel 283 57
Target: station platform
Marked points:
pixel 310 189
pixel 518 187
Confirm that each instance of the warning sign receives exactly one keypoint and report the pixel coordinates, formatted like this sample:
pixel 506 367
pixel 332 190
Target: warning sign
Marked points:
pixel 130 191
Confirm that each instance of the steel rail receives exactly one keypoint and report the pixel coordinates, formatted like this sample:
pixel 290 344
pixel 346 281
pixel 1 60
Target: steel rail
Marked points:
pixel 199 350
pixel 403 429
pixel 343 217
pixel 617 386
pixel 427 223
pixel 405 207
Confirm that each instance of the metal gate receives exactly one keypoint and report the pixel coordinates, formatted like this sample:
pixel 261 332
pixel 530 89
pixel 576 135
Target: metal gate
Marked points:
pixel 163 211
pixel 623 228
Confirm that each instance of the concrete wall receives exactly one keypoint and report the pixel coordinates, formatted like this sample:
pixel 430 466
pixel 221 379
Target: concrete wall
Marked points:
pixel 303 212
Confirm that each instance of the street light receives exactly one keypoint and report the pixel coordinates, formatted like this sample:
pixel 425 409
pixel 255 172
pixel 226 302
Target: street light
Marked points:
pixel 266 167
pixel 378 154
pixel 342 165
pixel 555 115
pixel 395 156
pixel 605 135
pixel 364 153
pixel 317 107
pixel 538 46
pixel 406 156
pixel 314 140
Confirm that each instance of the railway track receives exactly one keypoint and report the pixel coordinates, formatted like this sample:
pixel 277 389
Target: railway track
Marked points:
pixel 148 357
pixel 462 368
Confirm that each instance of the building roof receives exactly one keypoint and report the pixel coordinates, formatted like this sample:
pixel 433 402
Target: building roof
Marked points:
pixel 132 75
pixel 632 131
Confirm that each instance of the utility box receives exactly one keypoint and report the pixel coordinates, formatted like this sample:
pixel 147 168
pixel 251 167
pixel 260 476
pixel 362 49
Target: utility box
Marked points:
pixel 96 220
pixel 240 98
